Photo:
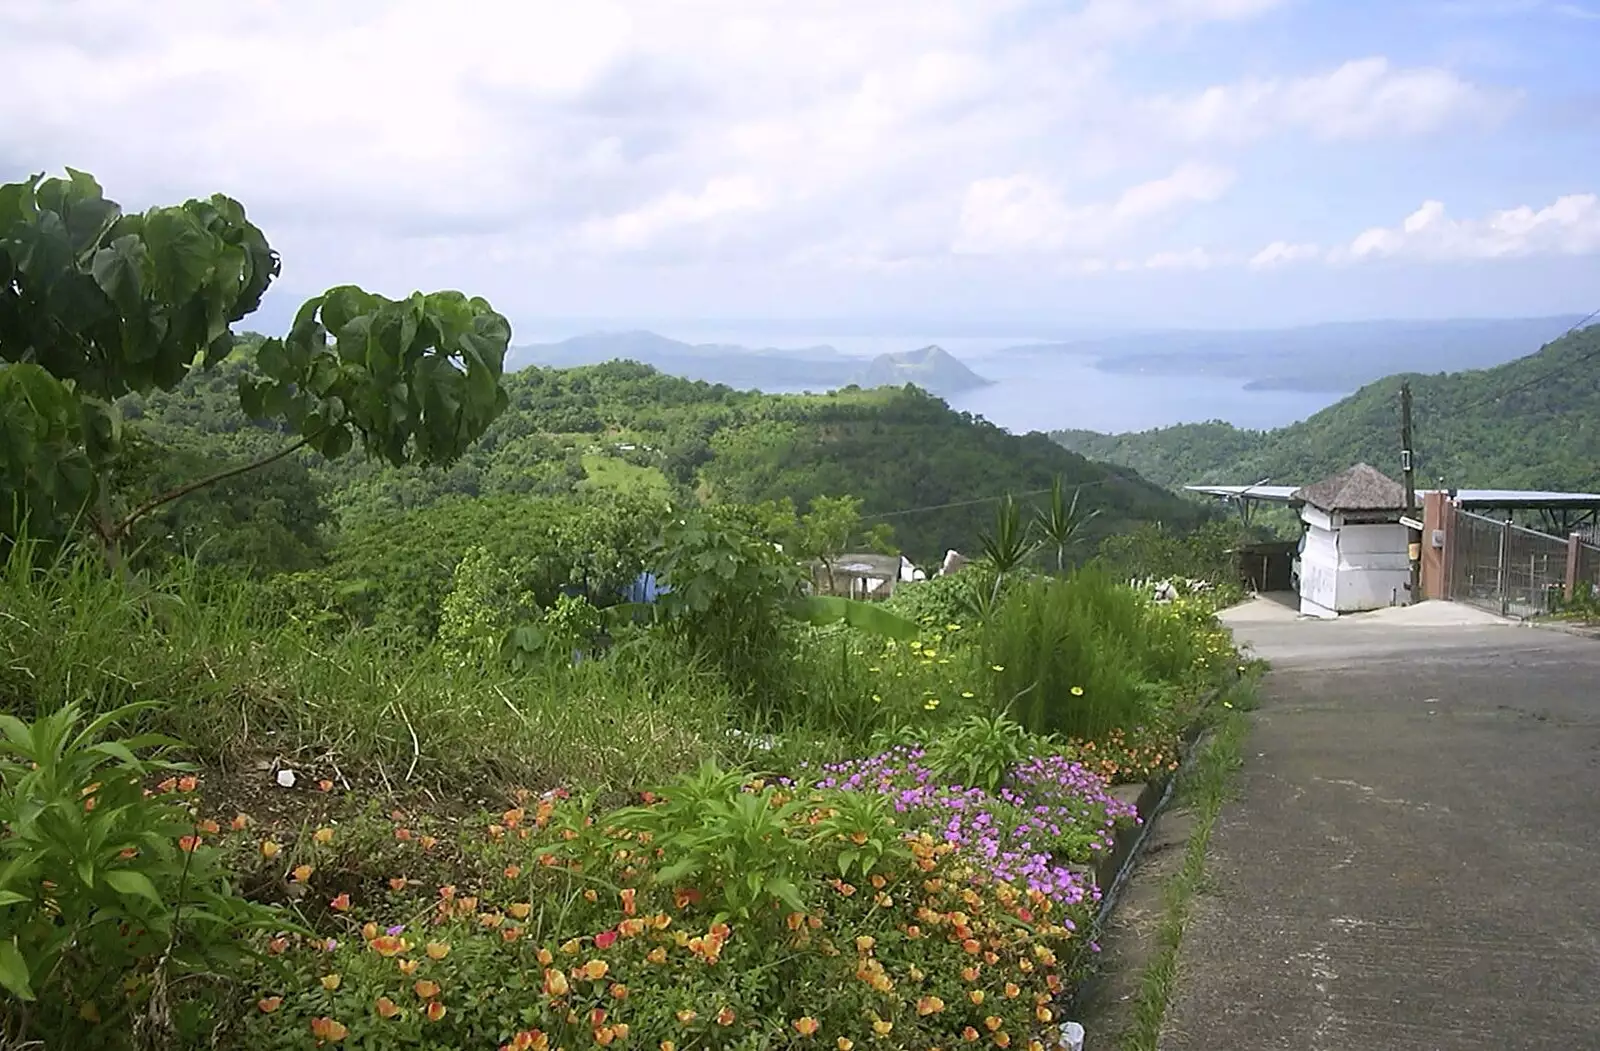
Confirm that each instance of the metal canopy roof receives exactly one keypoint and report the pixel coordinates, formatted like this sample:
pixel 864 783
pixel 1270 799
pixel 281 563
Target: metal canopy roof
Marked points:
pixel 1469 498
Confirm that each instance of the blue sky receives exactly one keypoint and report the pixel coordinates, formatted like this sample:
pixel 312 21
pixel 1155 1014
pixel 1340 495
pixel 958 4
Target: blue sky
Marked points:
pixel 1016 165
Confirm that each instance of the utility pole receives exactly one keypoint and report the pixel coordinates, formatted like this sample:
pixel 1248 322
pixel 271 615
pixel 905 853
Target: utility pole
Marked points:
pixel 1407 464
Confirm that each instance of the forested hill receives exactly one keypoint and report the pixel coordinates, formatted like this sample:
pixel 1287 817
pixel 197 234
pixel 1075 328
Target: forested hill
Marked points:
pixel 917 465
pixel 1533 423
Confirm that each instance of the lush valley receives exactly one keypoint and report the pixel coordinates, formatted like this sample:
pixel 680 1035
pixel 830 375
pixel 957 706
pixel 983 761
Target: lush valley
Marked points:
pixel 1531 423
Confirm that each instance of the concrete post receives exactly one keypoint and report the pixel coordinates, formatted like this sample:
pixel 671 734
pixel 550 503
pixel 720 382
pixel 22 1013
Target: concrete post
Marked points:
pixel 1574 565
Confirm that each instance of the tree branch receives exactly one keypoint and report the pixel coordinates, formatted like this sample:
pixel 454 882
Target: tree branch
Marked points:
pixel 118 531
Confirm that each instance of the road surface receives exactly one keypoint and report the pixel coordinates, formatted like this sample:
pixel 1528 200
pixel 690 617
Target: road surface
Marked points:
pixel 1413 859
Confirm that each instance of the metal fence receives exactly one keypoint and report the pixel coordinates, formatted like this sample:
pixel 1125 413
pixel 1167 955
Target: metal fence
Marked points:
pixel 1505 568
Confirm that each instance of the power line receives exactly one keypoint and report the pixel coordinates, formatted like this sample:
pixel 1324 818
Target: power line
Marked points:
pixel 1519 388
pixel 986 499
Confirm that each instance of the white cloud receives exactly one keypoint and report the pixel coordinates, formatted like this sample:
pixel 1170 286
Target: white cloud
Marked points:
pixel 1569 225
pixel 1360 99
pixel 1282 253
pixel 1190 259
pixel 1025 213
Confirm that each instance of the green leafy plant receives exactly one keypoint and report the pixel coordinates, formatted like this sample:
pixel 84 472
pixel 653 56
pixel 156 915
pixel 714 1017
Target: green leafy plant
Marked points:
pixel 980 751
pixel 731 842
pixel 1009 546
pixel 1060 523
pixel 107 894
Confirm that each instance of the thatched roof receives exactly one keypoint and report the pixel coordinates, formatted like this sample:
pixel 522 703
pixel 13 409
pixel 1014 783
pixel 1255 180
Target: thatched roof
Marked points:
pixel 1360 488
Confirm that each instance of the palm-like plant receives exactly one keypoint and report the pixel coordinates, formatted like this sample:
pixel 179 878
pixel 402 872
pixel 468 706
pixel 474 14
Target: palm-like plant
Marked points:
pixel 1061 522
pixel 1011 544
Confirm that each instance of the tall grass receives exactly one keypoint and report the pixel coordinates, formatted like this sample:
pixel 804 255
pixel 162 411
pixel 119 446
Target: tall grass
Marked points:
pixel 1083 655
pixel 240 685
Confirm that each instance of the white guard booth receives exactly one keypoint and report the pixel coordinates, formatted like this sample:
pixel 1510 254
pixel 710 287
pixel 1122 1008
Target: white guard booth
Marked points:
pixel 1354 554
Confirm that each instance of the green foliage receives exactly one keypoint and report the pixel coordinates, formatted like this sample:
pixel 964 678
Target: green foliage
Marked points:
pixel 1151 552
pixel 108 894
pixel 1060 524
pixel 1078 657
pixel 980 751
pixel 1531 423
pixel 417 378
pixel 729 598
pixel 1008 548
pixel 732 844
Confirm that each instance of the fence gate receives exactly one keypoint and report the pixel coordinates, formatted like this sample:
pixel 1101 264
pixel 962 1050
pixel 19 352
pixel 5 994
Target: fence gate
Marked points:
pixel 1505 568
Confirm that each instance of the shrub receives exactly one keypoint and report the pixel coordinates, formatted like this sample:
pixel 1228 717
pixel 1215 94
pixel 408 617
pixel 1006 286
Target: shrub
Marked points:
pixel 109 895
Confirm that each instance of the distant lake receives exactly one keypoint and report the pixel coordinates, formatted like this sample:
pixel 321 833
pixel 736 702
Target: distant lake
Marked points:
pixel 1058 390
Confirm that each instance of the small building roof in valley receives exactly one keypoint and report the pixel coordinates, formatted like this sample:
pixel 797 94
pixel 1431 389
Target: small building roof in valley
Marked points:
pixel 1359 488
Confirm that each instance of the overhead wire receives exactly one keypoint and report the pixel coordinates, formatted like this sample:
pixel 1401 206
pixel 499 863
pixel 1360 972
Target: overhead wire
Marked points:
pixel 1535 381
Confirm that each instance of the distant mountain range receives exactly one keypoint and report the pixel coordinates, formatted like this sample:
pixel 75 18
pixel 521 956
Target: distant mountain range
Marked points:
pixel 774 371
pixel 1532 423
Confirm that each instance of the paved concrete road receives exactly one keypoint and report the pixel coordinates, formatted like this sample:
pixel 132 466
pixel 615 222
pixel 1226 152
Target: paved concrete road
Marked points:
pixel 1413 861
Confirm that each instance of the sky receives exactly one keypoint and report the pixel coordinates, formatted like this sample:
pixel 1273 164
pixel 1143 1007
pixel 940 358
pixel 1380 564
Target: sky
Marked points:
pixel 988 166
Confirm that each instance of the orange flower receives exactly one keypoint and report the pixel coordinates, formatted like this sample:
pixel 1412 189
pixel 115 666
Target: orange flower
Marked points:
pixel 386 1007
pixel 969 1034
pixel 628 905
pixel 929 1005
pixel 168 785
pixel 805 1025
pixel 725 1016
pixel 546 957
pixel 513 871
pixel 992 1023
pixel 447 891
pixel 437 950
pixel 971 946
pixel 1012 990
pixel 619 991
pixel 402 834
pixel 240 822
pixel 300 873
pixel 594 970
pixel 324 785
pixel 1043 1014
pixel 269 1004
pixel 425 989
pixel 555 983
pixel 209 827
pixel 435 1011
pixel 913 931
pixel 976 996
pixel 188 783
pixel 683 897
pixel 397 884
pixel 668 1045
pixel 270 849
pixel 369 931
pixel 409 967
pixel 324 836
pixel 327 1030
pixel 510 934
pixel 389 945
pixel 277 946
pixel 428 842
pixel 188 844
pixel 656 955
pixel 330 982
pixel 340 903
pixel 519 910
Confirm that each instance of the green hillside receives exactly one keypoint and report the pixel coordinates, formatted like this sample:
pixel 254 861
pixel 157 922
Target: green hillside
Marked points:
pixel 627 428
pixel 1533 423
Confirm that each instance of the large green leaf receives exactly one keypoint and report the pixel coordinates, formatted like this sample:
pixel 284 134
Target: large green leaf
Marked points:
pixel 14 971
pixel 822 610
pixel 129 883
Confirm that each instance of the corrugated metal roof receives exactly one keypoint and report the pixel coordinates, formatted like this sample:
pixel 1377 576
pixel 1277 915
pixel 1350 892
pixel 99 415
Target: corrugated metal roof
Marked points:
pixel 1532 498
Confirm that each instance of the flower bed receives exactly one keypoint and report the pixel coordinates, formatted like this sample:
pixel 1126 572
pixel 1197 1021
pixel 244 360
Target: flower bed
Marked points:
pixel 599 933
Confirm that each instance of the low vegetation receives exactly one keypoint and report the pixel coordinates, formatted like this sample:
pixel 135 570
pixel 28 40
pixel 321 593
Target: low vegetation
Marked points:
pixel 533 766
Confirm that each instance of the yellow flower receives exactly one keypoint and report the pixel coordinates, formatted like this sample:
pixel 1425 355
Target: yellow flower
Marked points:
pixel 931 703
pixel 865 943
pixel 929 1005
pixel 409 967
pixel 323 836
pixel 270 849
pixel 998 667
pixel 435 1011
pixel 425 989
pixel 1076 691
pixel 881 1027
pixel 519 910
pixel 806 1025
pixel 595 970
pixel 437 950
pixel 844 1043
pixel 330 982
pixel 686 1016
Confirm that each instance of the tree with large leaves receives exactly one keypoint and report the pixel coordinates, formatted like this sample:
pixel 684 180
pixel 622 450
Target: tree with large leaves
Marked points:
pixel 96 304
